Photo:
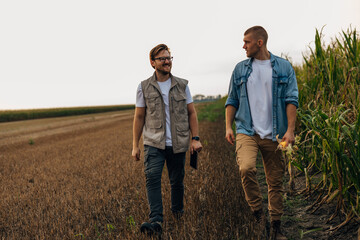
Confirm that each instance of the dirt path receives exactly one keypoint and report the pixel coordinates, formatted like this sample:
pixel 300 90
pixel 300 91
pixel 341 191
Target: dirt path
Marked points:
pixel 301 222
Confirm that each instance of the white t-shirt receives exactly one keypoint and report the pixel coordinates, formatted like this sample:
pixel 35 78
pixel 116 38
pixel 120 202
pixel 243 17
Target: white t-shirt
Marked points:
pixel 259 88
pixel 165 88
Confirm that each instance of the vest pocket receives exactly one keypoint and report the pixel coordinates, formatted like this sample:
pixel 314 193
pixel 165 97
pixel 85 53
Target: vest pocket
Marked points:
pixel 152 101
pixel 182 135
pixel 182 131
pixel 180 103
pixel 180 108
pixel 153 123
pixel 153 111
pixel 182 126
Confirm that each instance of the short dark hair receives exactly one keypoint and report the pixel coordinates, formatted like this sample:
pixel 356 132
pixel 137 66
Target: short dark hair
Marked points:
pixel 158 49
pixel 259 32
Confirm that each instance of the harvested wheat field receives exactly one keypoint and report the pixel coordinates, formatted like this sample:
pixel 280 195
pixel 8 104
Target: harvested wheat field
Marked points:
pixel 74 178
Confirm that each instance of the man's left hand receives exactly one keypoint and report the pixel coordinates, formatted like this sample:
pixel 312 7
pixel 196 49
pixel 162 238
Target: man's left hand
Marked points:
pixel 195 146
pixel 289 138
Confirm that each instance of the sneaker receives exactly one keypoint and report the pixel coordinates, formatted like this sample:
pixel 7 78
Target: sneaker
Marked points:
pixel 147 228
pixel 157 226
pixel 276 233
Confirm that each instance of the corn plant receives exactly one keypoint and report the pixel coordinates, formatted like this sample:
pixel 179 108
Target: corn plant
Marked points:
pixel 331 75
pixel 331 146
pixel 329 121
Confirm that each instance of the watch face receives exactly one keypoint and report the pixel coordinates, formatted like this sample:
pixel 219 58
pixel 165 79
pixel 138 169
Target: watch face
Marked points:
pixel 196 138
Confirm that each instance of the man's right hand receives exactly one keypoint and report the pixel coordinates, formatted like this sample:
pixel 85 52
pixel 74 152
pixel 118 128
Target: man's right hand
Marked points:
pixel 136 153
pixel 229 119
pixel 230 136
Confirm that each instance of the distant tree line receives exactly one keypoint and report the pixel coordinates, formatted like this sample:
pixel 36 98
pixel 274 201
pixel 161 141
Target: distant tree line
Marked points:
pixel 203 98
pixel 18 115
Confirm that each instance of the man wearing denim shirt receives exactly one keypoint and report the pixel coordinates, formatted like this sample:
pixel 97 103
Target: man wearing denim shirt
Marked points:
pixel 262 99
pixel 165 115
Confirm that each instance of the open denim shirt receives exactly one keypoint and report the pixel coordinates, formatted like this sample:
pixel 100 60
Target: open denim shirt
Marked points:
pixel 284 91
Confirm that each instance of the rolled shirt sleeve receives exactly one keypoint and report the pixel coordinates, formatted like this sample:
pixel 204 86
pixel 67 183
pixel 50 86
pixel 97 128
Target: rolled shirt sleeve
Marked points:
pixel 188 95
pixel 292 93
pixel 232 99
pixel 140 101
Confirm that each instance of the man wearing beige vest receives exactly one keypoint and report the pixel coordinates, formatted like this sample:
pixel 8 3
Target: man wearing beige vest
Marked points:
pixel 165 115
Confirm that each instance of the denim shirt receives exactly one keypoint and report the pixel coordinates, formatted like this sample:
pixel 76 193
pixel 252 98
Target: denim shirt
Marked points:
pixel 284 91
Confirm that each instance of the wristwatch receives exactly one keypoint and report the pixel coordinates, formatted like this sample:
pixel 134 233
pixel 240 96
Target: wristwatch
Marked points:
pixel 196 138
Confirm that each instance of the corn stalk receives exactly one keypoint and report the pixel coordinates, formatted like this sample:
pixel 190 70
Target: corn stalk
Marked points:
pixel 329 122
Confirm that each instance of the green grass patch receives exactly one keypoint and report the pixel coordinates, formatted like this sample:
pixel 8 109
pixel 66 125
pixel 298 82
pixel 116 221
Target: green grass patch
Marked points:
pixel 211 111
pixel 286 218
pixel 294 202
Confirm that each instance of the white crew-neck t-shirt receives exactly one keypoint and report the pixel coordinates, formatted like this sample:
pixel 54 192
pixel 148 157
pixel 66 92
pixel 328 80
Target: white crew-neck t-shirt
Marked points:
pixel 259 88
pixel 165 88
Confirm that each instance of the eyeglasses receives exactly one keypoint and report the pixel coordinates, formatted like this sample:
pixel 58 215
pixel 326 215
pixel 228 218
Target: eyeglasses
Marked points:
pixel 163 59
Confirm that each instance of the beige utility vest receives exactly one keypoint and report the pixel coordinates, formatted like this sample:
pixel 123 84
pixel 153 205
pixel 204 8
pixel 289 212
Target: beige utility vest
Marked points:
pixel 155 123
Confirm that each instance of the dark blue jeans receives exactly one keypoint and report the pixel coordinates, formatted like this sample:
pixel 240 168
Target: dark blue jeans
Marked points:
pixel 154 163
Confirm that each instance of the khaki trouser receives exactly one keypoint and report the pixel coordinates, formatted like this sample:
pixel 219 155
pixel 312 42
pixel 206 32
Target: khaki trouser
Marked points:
pixel 247 148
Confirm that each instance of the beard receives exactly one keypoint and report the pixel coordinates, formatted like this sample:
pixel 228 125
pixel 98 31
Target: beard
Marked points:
pixel 163 71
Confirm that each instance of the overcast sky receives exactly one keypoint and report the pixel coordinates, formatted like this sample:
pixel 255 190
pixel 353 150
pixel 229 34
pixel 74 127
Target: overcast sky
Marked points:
pixel 84 53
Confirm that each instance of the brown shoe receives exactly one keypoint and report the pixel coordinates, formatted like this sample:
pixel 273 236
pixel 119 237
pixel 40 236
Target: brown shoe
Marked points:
pixel 262 222
pixel 276 231
pixel 259 216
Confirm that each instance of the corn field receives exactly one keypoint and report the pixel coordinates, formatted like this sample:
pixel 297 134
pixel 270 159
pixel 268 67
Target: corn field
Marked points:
pixel 329 123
